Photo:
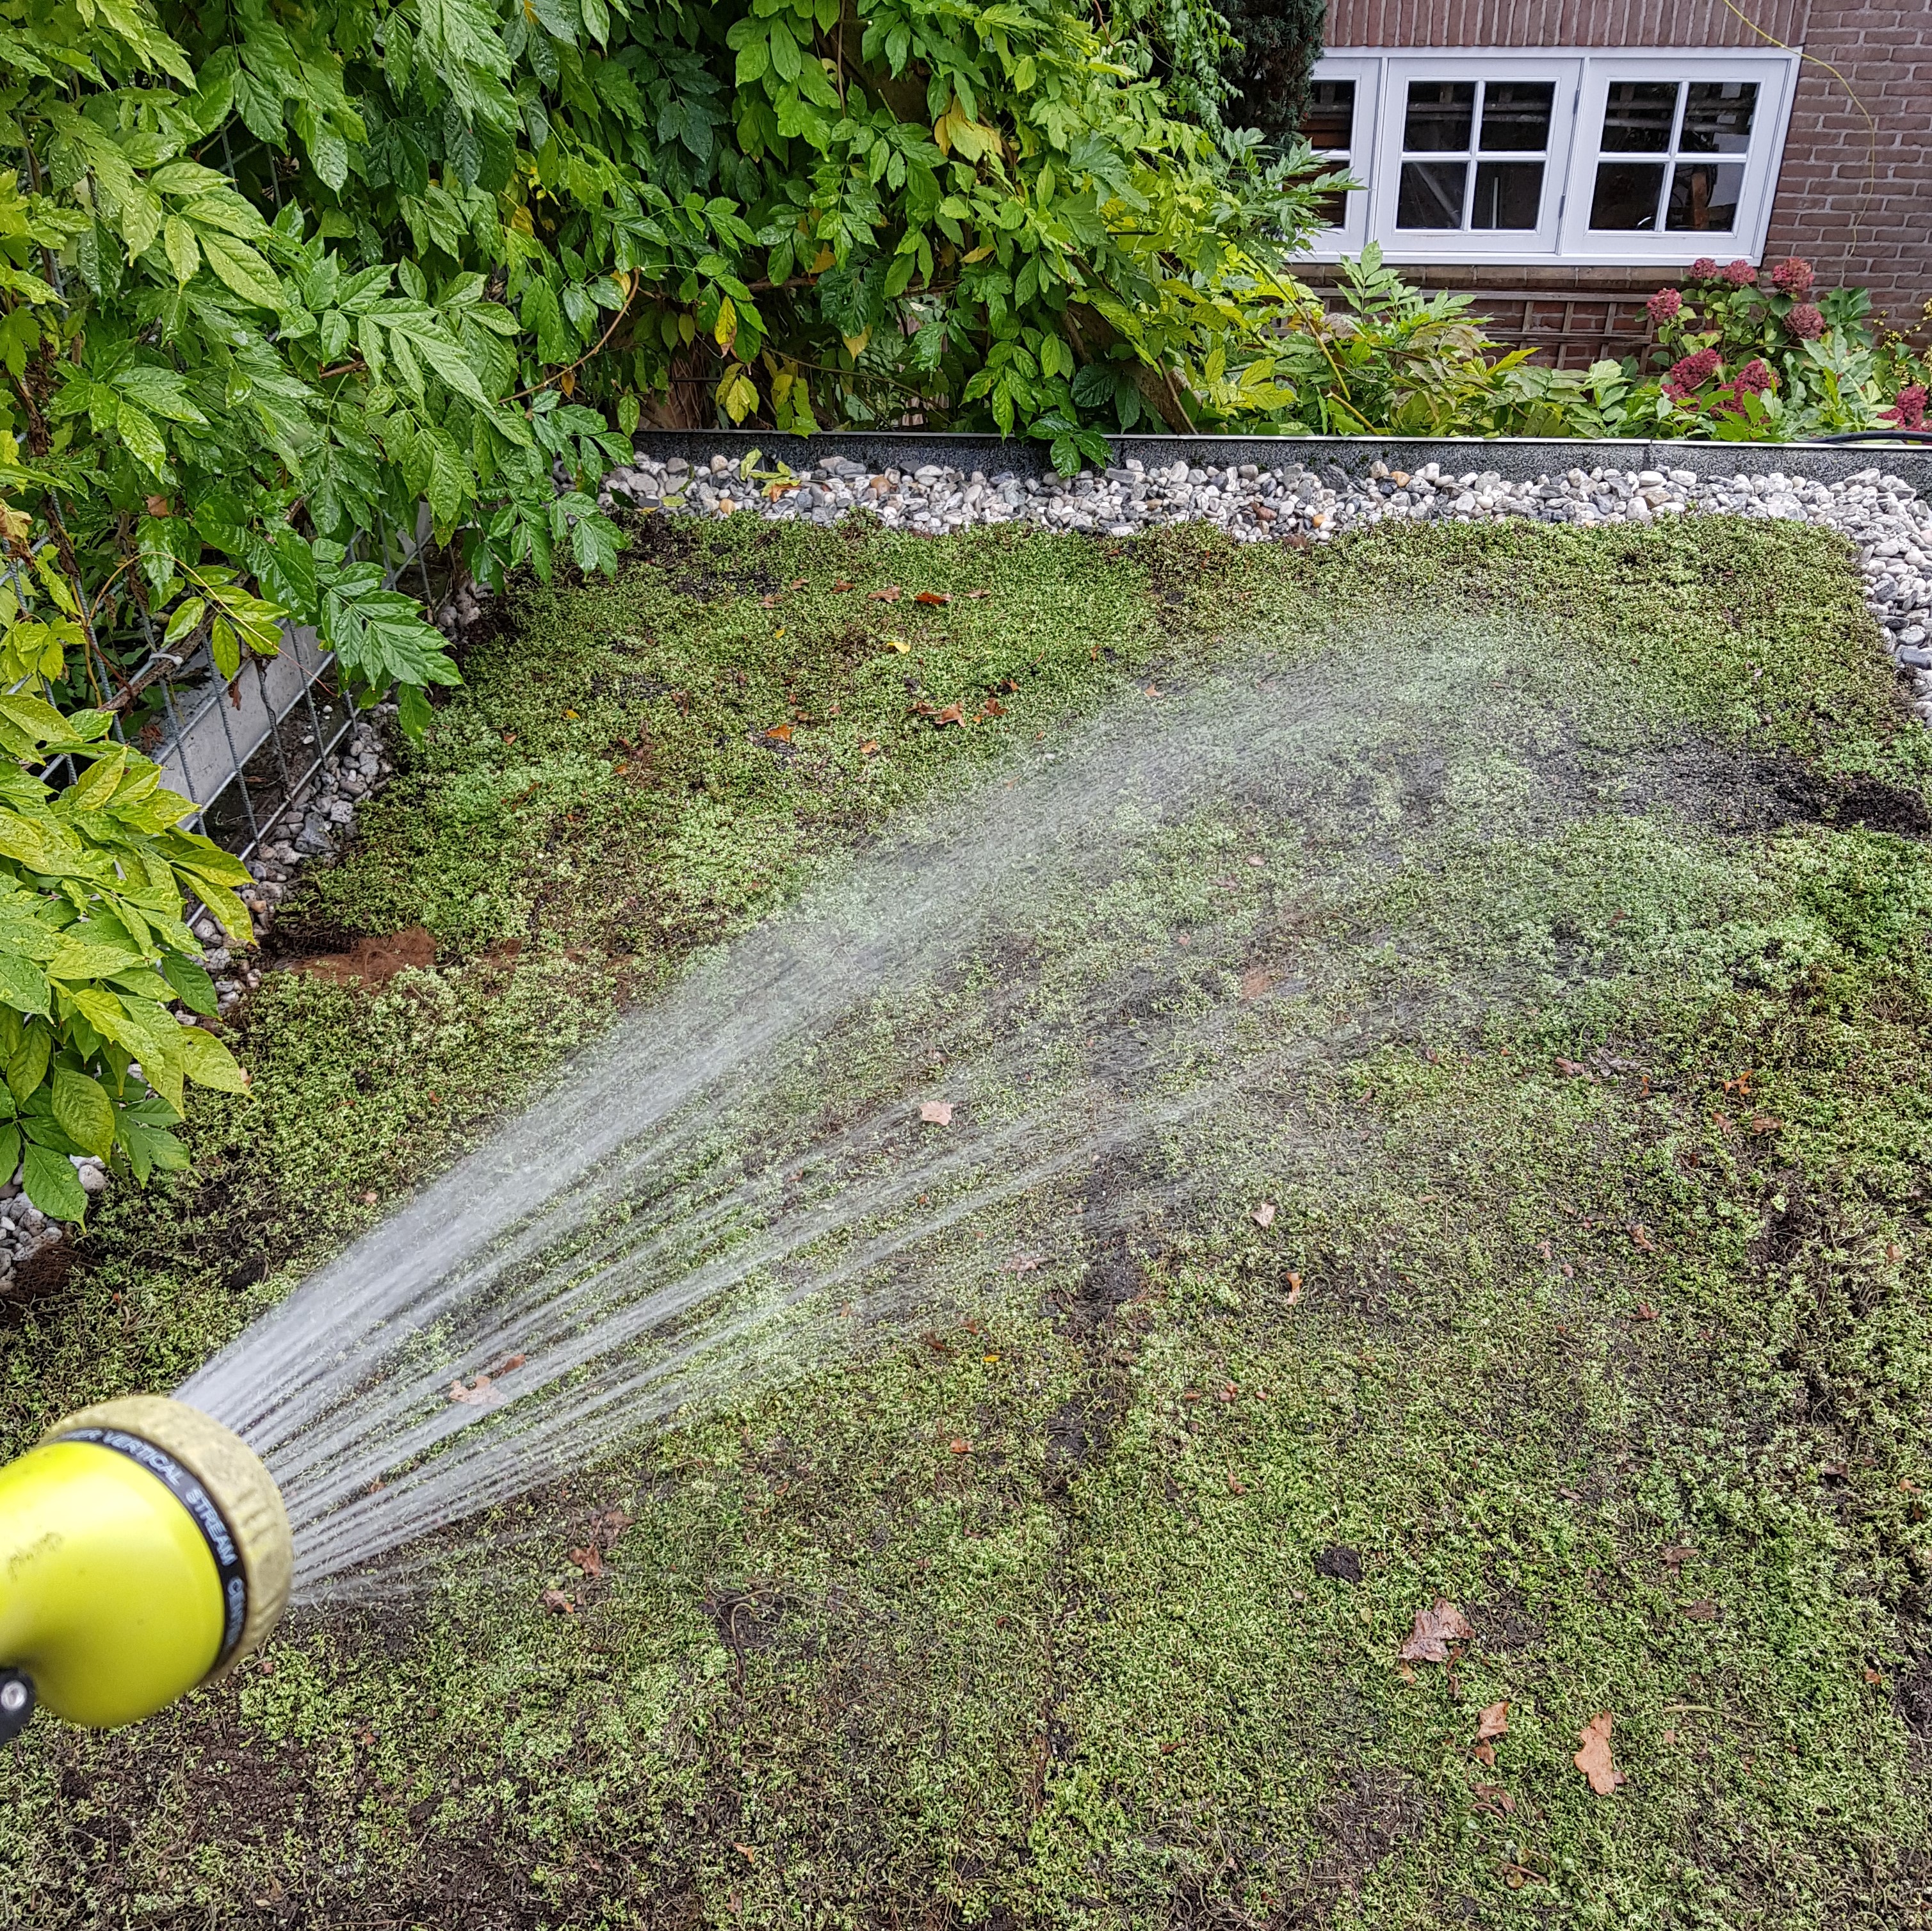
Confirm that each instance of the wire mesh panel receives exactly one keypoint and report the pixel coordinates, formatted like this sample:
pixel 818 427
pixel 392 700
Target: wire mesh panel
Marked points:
pixel 246 751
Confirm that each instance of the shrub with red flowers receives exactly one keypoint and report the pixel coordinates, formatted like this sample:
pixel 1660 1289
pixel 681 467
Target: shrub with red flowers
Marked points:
pixel 1908 408
pixel 1689 374
pixel 1771 356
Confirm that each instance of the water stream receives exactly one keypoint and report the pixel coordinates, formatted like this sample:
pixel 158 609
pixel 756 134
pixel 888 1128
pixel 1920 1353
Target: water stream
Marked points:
pixel 1158 922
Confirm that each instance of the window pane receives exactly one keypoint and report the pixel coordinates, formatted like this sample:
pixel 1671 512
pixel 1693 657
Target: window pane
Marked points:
pixel 1328 121
pixel 1439 115
pixel 1627 194
pixel 1508 194
pixel 1717 117
pixel 1637 116
pixel 1704 195
pixel 1431 194
pixel 1515 116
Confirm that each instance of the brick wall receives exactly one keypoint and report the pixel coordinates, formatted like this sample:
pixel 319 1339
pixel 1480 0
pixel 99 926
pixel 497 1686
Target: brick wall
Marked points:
pixel 1563 23
pixel 1858 202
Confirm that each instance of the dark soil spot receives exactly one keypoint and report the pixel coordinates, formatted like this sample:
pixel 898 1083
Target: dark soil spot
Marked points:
pixel 746 1619
pixel 40 1273
pixel 372 961
pixel 1374 1812
pixel 1339 1561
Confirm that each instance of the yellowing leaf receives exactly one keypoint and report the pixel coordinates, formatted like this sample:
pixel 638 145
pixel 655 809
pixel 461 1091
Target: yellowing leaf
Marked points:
pixel 208 1062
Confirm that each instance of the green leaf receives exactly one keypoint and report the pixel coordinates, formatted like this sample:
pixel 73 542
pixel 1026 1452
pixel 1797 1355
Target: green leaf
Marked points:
pixel 208 1062
pixel 241 268
pixel 83 1111
pixel 27 1064
pixel 53 1186
pixel 143 439
pixel 185 621
pixel 183 255
pixel 191 984
pixel 9 1152
pixel 186 178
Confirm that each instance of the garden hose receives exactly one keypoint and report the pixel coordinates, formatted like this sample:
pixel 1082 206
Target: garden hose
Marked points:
pixel 144 1550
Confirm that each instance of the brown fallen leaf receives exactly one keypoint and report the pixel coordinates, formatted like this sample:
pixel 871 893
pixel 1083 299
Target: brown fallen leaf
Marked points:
pixel 1645 1312
pixel 1594 1759
pixel 953 714
pixel 509 1363
pixel 1402 1670
pixel 1640 1239
pixel 159 506
pixel 557 1602
pixel 977 594
pixel 1235 1486
pixel 932 597
pixel 1493 1721
pixel 745 1852
pixel 1264 1215
pixel 768 602
pixel 780 734
pixel 936 1112
pixel 960 1447
pixel 1485 1754
pixel 796 583
pixel 1762 1122
pixel 1676 1555
pixel 869 747
pixel 843 583
pixel 891 594
pixel 1495 1799
pixel 479 1394
pixel 1702 1611
pixel 1872 1676
pixel 1435 1629
pixel 1022 1263
pixel 1294 1289
pixel 590 1560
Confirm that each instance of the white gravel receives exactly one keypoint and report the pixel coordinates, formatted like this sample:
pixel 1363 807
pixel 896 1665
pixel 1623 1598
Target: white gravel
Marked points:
pixel 1883 514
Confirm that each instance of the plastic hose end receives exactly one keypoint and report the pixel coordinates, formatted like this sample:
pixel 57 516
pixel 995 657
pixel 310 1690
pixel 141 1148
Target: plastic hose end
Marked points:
pixel 235 1480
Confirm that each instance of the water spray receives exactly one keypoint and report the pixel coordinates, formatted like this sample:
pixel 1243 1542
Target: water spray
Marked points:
pixel 144 1551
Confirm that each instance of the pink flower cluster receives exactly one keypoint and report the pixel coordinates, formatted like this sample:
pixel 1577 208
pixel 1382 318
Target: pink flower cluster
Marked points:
pixel 1755 377
pixel 1793 276
pixel 1703 269
pixel 1690 374
pixel 1908 408
pixel 1740 274
pixel 1806 321
pixel 1664 304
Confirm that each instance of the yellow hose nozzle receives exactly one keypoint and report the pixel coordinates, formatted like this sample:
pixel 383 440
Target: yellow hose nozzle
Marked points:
pixel 144 1549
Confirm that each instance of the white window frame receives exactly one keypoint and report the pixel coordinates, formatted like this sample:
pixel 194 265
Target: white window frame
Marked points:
pixel 1365 71
pixel 1582 76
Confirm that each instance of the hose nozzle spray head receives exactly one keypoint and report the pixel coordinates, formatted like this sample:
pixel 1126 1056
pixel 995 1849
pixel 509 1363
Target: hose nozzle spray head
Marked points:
pixel 144 1550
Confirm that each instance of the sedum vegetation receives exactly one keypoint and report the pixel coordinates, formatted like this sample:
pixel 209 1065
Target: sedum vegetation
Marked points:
pixel 1595 1311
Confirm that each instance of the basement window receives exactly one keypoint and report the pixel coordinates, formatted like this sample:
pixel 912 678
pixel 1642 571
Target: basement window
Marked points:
pixel 1572 155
